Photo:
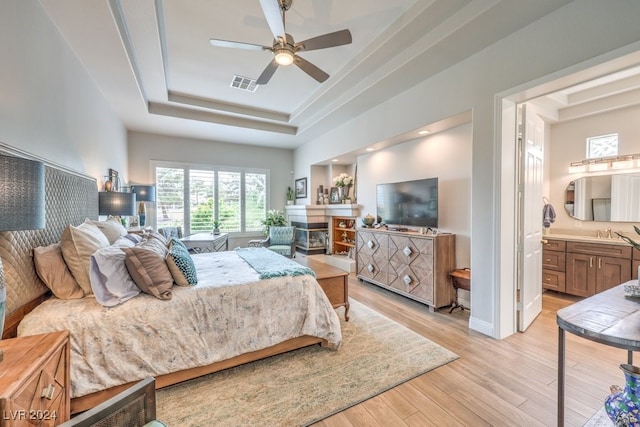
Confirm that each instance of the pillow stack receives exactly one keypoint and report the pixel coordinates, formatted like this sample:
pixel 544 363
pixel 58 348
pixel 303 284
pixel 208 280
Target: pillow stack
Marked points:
pixel 101 259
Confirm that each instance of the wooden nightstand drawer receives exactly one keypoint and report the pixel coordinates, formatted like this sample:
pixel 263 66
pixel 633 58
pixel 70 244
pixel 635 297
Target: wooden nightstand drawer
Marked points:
pixel 34 380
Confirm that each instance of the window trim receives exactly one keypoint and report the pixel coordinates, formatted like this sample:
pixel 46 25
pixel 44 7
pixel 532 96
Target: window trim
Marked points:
pixel 215 168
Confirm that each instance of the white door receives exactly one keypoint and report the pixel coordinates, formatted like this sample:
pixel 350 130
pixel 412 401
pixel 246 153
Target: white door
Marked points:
pixel 530 217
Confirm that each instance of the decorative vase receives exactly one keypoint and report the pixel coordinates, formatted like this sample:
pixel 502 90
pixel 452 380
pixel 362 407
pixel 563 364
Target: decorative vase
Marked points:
pixel 216 231
pixel 623 406
pixel 346 190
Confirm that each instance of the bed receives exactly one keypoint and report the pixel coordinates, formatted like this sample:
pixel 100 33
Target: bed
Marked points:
pixel 235 314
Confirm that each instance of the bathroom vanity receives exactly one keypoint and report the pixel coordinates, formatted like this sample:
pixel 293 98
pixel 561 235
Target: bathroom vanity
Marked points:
pixel 585 266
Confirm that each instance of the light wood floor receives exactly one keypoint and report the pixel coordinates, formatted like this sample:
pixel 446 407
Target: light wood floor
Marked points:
pixel 510 382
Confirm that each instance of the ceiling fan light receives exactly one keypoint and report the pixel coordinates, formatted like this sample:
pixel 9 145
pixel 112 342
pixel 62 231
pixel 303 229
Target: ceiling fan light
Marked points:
pixel 284 57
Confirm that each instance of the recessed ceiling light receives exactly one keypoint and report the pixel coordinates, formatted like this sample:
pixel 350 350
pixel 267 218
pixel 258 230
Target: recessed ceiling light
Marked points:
pixel 335 160
pixel 423 132
pixel 370 149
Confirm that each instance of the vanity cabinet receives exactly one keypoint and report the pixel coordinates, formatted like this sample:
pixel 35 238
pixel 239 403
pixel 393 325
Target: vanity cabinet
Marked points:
pixel 411 264
pixel 553 265
pixel 588 268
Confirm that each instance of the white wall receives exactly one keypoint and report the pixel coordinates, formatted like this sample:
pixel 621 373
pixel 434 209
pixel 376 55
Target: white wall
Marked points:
pixel 568 144
pixel 49 106
pixel 427 157
pixel 574 37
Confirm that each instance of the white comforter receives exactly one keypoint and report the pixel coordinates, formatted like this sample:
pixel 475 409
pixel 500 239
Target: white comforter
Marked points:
pixel 230 312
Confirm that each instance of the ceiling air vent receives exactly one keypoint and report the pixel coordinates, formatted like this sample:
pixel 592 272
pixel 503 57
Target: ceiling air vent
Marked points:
pixel 244 83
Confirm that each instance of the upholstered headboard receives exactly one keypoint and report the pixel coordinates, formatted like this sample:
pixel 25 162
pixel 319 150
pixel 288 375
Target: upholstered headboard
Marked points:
pixel 70 198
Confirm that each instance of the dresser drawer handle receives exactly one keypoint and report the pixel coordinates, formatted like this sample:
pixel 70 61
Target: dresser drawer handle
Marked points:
pixel 406 251
pixel 48 391
pixel 370 268
pixel 406 279
pixel 370 244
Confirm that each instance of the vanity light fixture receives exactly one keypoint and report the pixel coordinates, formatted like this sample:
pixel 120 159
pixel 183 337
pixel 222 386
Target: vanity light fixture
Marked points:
pixel 629 161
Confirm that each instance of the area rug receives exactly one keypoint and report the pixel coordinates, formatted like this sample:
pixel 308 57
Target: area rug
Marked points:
pixel 306 385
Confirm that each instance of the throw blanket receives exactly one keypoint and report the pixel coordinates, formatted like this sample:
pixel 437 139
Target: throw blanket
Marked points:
pixel 269 264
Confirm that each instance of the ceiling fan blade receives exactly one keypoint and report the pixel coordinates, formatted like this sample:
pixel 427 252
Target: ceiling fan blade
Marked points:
pixel 237 45
pixel 272 12
pixel 337 38
pixel 310 69
pixel 267 73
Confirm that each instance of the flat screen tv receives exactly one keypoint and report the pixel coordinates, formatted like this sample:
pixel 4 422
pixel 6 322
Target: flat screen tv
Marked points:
pixel 408 203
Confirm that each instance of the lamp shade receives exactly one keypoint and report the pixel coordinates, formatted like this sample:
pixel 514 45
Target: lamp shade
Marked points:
pixel 116 204
pixel 22 205
pixel 144 193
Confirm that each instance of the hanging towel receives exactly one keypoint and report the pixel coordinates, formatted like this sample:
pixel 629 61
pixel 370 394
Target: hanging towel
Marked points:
pixel 548 215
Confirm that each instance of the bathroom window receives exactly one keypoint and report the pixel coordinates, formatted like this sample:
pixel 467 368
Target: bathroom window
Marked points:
pixel 602 146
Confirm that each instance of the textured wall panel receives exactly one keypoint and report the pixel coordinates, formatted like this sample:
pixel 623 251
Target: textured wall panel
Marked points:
pixel 69 198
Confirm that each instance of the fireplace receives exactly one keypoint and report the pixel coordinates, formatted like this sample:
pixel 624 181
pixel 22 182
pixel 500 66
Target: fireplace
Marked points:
pixel 311 238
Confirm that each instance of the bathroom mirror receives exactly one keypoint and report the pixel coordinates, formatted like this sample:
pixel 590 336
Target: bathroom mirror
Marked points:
pixel 613 198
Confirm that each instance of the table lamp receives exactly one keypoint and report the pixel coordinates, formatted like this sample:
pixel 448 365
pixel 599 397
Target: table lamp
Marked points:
pixel 22 206
pixel 144 193
pixel 116 204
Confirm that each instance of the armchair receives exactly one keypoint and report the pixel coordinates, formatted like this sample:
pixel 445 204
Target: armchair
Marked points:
pixel 281 239
pixel 134 407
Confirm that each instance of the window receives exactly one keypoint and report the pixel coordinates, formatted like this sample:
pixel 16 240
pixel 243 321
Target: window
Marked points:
pixel 602 146
pixel 236 198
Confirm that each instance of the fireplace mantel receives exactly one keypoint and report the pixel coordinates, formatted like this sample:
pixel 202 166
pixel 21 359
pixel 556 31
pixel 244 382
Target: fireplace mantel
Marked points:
pixel 319 213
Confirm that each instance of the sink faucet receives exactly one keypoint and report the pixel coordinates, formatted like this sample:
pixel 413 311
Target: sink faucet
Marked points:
pixel 598 234
pixel 609 236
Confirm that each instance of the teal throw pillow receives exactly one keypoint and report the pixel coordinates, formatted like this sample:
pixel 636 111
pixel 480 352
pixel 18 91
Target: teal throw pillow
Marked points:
pixel 181 265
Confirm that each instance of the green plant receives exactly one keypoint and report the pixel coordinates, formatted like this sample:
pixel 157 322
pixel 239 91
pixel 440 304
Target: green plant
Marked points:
pixel 629 240
pixel 216 224
pixel 290 194
pixel 274 217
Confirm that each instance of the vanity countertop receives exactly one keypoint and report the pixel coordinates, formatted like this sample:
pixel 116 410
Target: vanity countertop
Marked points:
pixel 578 238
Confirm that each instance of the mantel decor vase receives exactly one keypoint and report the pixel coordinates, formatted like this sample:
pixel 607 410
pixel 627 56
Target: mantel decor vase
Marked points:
pixel 623 405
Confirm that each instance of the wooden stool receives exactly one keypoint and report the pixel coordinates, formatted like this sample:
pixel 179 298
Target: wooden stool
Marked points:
pixel 461 279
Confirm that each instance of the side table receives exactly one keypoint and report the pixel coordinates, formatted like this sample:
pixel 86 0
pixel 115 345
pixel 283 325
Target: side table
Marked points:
pixel 35 381
pixel 207 242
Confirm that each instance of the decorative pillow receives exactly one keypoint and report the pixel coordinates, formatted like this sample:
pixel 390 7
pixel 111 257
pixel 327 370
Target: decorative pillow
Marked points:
pixel 77 244
pixel 181 265
pixel 150 272
pixel 154 244
pixel 123 242
pixel 53 271
pixel 135 238
pixel 111 228
pixel 110 280
pixel 156 235
pixel 176 241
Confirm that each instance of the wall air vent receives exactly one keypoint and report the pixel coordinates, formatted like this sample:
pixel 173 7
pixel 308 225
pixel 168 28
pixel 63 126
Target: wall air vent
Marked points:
pixel 244 83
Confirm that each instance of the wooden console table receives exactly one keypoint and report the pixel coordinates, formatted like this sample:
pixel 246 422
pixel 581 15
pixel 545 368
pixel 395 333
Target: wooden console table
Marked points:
pixel 609 318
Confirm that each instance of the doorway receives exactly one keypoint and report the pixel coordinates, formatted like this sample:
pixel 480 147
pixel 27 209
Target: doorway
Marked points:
pixel 508 300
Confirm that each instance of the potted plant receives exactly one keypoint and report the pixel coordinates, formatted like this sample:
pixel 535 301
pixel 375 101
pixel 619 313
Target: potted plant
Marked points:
pixel 216 227
pixel 291 196
pixel 274 217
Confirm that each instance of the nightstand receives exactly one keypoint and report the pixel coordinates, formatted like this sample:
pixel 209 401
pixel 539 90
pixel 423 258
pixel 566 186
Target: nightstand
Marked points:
pixel 34 380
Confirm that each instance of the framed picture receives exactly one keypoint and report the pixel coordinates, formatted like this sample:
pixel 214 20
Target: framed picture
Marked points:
pixel 301 188
pixel 334 196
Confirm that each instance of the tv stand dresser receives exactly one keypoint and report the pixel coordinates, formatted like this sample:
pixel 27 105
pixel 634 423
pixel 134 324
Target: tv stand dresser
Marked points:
pixel 411 264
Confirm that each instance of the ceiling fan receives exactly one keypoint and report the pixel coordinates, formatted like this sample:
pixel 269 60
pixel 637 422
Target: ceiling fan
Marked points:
pixel 285 49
